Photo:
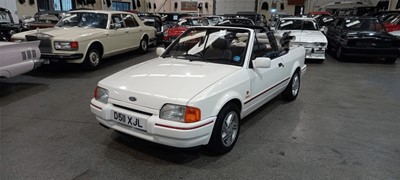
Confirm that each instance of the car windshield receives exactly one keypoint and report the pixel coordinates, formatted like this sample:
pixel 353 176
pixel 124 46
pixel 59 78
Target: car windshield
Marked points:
pixel 294 24
pixel 213 45
pixel 84 19
pixel 193 22
pixel 5 17
pixel 363 25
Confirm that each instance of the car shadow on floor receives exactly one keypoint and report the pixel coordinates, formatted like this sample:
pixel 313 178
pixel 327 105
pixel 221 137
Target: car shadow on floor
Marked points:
pixel 11 92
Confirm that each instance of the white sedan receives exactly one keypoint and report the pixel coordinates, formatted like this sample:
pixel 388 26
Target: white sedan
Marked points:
pixel 87 36
pixel 307 33
pixel 18 58
pixel 197 91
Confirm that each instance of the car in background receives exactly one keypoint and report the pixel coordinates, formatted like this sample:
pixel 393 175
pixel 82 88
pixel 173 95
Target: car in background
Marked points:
pixel 156 22
pixel 392 23
pixel 18 58
pixel 43 19
pixel 173 32
pixel 7 25
pixel 362 37
pixel 236 21
pixel 87 36
pixel 207 80
pixel 257 18
pixel 213 20
pixel 306 33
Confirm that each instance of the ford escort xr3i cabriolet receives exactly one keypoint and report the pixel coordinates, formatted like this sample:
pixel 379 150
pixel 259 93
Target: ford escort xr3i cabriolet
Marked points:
pixel 198 89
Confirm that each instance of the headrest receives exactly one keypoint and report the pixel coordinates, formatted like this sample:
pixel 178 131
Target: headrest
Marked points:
pixel 220 44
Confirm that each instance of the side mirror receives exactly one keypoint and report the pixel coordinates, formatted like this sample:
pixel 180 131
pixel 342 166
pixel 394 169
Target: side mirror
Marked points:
pixel 160 51
pixel 262 62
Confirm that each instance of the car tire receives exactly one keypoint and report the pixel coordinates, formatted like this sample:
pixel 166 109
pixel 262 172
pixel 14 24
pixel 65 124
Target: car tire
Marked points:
pixel 292 89
pixel 339 53
pixel 226 130
pixel 390 60
pixel 144 45
pixel 92 59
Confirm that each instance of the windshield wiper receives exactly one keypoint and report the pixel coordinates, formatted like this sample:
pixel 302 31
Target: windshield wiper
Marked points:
pixel 191 57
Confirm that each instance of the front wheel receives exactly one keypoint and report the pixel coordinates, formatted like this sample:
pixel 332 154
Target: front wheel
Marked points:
pixel 292 89
pixel 226 130
pixel 339 53
pixel 92 59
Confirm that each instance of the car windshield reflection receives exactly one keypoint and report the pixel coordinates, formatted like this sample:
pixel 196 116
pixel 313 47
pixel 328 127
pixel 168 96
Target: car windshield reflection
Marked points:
pixel 84 19
pixel 214 45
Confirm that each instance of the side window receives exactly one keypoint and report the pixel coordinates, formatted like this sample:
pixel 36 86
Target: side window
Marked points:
pixel 130 21
pixel 339 23
pixel 116 20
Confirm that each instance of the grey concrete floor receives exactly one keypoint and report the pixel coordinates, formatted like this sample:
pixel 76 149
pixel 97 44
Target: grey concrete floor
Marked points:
pixel 345 124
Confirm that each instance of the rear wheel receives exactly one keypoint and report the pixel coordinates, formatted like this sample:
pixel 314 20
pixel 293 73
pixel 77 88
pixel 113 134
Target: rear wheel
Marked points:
pixel 92 59
pixel 226 130
pixel 292 89
pixel 144 45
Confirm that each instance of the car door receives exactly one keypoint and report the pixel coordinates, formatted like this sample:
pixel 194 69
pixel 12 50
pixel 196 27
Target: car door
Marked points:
pixel 117 35
pixel 134 31
pixel 265 82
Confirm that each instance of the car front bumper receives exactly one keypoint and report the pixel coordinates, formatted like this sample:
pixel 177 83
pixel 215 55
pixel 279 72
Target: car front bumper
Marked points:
pixel 61 56
pixel 315 53
pixel 170 133
pixel 370 52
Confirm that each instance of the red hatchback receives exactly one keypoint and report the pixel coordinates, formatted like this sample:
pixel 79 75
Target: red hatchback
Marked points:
pixel 173 32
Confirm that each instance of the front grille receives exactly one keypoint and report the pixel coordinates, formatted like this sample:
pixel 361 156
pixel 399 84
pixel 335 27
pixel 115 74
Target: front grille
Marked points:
pixel 134 110
pixel 45 41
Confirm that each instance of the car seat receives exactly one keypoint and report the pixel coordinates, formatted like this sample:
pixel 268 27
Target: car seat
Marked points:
pixel 219 49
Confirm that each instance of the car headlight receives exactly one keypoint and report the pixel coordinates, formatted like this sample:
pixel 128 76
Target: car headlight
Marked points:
pixel 180 113
pixel 101 94
pixel 66 46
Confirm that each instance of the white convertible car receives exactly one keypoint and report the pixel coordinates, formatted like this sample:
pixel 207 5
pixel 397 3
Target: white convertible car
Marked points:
pixel 87 36
pixel 197 91
pixel 307 33
pixel 18 58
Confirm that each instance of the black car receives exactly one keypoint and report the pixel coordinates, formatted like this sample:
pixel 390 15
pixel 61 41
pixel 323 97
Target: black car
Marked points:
pixel 362 37
pixel 7 25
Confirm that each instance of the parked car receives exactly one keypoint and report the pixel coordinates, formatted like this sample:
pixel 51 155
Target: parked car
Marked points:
pixel 207 81
pixel 156 22
pixel 7 25
pixel 236 21
pixel 392 23
pixel 307 33
pixel 362 37
pixel 257 18
pixel 88 36
pixel 173 32
pixel 213 20
pixel 18 58
pixel 43 19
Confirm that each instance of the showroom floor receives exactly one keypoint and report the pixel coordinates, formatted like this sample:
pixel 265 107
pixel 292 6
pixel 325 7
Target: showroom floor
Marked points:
pixel 345 124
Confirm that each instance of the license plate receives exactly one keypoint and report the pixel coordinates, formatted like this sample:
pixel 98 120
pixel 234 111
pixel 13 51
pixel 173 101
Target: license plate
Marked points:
pixel 131 121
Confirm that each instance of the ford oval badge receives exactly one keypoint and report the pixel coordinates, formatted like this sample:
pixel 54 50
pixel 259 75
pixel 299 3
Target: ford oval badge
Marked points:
pixel 132 98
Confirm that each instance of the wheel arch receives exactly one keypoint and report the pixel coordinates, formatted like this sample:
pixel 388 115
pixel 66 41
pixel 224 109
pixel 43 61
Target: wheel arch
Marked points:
pixel 96 44
pixel 230 97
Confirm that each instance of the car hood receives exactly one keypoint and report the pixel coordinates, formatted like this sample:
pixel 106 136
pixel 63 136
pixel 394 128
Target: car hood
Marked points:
pixel 307 36
pixel 65 33
pixel 176 31
pixel 164 80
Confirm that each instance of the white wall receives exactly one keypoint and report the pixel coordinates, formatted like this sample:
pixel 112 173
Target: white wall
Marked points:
pixel 232 6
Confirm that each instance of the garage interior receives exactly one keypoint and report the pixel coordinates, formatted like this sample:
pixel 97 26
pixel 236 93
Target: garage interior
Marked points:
pixel 345 123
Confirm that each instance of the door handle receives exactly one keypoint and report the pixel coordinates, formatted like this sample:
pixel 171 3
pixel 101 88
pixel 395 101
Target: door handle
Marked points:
pixel 281 65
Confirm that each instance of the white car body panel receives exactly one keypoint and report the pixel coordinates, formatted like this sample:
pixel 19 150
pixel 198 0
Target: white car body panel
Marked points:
pixel 204 85
pixel 308 38
pixel 18 58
